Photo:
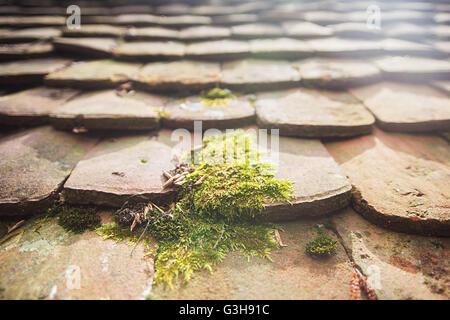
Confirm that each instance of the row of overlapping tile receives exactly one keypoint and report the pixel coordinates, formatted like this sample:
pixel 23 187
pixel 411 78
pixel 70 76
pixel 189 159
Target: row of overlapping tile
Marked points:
pixel 294 28
pixel 320 11
pixel 221 50
pixel 291 23
pixel 301 112
pixel 328 93
pixel 399 181
pixel 245 75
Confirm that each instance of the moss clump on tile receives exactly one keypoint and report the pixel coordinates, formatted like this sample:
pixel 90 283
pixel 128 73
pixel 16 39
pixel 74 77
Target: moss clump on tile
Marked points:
pixel 217 97
pixel 117 233
pixel 161 112
pixel 218 93
pixel 235 191
pixel 233 148
pixel 202 243
pixel 216 216
pixel 321 246
pixel 76 220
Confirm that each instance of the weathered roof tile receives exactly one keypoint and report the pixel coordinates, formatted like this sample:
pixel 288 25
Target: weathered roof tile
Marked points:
pixel 25 50
pixel 29 34
pixel 256 74
pixel 181 75
pixel 235 113
pixel 413 68
pixel 113 171
pixel 32 106
pixel 335 74
pixel 406 107
pixel 32 169
pixel 109 110
pixel 90 47
pixel 398 180
pixel 313 113
pixel 31 71
pixel 93 74
pixel 218 50
pixel 150 50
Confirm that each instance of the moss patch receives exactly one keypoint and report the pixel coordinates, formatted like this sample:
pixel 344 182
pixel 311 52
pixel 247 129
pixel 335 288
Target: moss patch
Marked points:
pixel 217 97
pixel 215 217
pixel 117 233
pixel 234 192
pixel 161 112
pixel 437 244
pixel 321 246
pixel 74 219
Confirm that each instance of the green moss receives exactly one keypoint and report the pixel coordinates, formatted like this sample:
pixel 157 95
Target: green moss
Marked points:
pixel 235 147
pixel 217 97
pixel 117 233
pixel 252 99
pixel 216 217
pixel 51 214
pixel 438 244
pixel 218 93
pixel 321 246
pixel 161 112
pixel 205 242
pixel 235 192
pixel 75 219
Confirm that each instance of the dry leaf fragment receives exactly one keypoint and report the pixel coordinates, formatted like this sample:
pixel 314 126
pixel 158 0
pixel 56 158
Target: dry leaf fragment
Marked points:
pixel 133 224
pixel 146 210
pixel 37 228
pixel 159 209
pixel 175 177
pixel 278 238
pixel 168 182
pixel 181 177
pixel 14 227
pixel 79 130
pixel 120 174
pixel 167 175
pixel 200 181
pixel 8 237
pixel 180 183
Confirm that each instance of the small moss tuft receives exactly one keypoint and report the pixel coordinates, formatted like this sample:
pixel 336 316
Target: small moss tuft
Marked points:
pixel 217 97
pixel 438 244
pixel 321 246
pixel 76 220
pixel 161 112
pixel 218 93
